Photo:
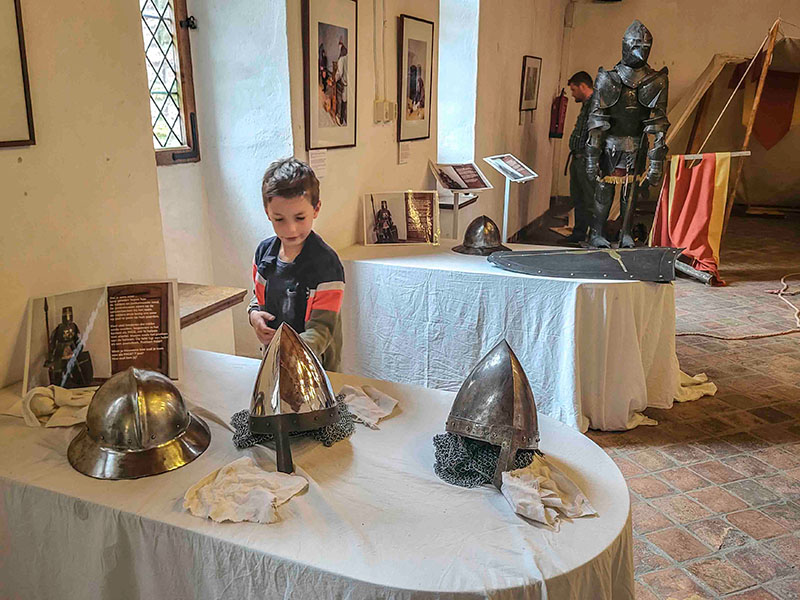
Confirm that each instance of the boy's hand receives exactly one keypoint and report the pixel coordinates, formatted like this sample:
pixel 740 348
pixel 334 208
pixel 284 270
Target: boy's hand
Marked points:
pixel 259 320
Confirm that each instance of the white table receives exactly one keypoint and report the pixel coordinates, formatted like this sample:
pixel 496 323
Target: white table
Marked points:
pixel 375 522
pixel 597 353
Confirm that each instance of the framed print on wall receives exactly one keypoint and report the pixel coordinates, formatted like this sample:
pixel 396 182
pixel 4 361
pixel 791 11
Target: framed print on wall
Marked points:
pixel 414 78
pixel 16 115
pixel 330 29
pixel 529 88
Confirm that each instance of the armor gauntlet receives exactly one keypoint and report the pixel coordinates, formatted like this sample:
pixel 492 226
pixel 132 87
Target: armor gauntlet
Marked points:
pixel 657 155
pixel 594 148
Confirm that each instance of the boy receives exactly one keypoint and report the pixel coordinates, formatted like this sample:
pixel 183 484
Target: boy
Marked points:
pixel 298 277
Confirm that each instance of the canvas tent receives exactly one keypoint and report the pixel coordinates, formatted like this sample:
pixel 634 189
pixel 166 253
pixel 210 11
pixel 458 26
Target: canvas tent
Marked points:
pixel 770 177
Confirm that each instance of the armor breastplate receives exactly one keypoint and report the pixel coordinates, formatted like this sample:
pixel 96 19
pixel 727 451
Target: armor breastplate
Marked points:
pixel 627 114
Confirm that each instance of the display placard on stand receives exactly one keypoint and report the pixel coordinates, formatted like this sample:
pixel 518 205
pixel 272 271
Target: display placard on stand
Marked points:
pixel 459 178
pixel 513 169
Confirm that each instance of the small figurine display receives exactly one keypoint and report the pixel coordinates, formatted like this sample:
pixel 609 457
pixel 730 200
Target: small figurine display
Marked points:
pixel 68 364
pixel 385 229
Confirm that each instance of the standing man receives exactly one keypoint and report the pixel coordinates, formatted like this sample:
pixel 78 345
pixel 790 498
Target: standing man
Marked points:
pixel 581 187
pixel 341 83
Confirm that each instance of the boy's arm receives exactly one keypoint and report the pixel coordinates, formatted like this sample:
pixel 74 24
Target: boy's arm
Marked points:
pixel 322 313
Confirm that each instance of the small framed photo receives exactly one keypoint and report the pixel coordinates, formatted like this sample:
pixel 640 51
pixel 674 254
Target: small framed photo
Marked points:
pixel 16 114
pixel 511 167
pixel 410 217
pixel 330 30
pixel 414 78
pixel 460 177
pixel 80 339
pixel 529 88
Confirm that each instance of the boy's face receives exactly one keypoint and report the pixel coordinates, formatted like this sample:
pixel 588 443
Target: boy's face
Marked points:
pixel 292 219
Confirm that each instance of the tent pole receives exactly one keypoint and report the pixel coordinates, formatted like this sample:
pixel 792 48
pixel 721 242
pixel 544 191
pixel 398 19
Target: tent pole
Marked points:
pixel 699 117
pixel 773 34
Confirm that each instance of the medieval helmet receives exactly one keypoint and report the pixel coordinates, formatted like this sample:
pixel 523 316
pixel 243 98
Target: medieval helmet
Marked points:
pixel 495 404
pixel 137 425
pixel 482 237
pixel 292 393
pixel 636 44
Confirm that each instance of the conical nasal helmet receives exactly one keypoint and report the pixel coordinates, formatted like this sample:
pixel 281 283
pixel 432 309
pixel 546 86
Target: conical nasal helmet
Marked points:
pixel 137 425
pixel 292 393
pixel 482 237
pixel 495 404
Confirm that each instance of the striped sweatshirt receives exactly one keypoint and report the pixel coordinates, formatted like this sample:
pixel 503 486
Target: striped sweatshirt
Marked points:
pixel 306 293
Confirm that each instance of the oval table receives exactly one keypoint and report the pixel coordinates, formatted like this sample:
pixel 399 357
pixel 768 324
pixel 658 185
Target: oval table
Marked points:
pixel 375 521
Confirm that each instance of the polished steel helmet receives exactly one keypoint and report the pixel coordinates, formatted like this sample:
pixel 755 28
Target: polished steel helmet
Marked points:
pixel 482 237
pixel 495 404
pixel 292 393
pixel 137 425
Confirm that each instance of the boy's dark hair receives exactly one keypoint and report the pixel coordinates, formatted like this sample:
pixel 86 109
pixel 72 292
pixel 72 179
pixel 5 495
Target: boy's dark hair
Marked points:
pixel 289 178
pixel 579 78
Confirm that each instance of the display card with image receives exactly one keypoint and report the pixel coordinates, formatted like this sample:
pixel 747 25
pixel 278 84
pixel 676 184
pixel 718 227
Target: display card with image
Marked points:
pixel 460 177
pixel 410 217
pixel 80 339
pixel 511 167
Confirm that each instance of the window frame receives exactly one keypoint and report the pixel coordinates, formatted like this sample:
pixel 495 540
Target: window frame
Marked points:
pixel 190 152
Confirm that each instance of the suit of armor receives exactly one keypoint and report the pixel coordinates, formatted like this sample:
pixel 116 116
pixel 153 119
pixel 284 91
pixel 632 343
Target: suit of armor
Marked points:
pixel 629 102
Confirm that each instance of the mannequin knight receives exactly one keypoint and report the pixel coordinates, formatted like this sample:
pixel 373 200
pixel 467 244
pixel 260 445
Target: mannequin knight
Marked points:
pixel 629 102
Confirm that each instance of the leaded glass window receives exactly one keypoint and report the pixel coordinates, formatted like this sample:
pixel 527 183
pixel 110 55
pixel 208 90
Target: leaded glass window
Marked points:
pixel 163 73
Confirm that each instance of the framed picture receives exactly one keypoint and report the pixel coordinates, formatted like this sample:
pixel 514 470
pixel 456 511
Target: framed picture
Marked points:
pixel 460 177
pixel 80 339
pixel 16 115
pixel 414 78
pixel 529 88
pixel 511 167
pixel 410 217
pixel 330 65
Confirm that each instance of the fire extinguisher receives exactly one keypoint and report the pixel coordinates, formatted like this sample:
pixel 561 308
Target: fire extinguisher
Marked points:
pixel 558 114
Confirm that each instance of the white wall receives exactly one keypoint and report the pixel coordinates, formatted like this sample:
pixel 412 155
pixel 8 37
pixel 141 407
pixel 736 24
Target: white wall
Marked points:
pixel 520 27
pixel 686 34
pixel 80 208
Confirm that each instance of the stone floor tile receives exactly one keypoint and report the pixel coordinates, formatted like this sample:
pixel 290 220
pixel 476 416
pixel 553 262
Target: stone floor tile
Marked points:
pixel 745 442
pixel 681 508
pixel 770 414
pixel 777 435
pixel 785 513
pixel 643 593
pixel 719 535
pixel 752 492
pixel 717 472
pixel 742 401
pixel 742 419
pixel 720 575
pixel 678 544
pixel 646 558
pixel 787 548
pixel 778 458
pixel 685 453
pixel 748 465
pixel 787 589
pixel 718 500
pixel 684 479
pixel 756 524
pixel 760 564
pixel 647 519
pixel 717 447
pixel 649 487
pixel 626 467
pixel 652 460
pixel 788 487
pixel 675 584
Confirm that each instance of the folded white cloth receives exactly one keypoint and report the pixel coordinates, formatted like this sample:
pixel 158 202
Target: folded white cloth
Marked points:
pixel 540 492
pixel 694 388
pixel 52 406
pixel 367 404
pixel 242 491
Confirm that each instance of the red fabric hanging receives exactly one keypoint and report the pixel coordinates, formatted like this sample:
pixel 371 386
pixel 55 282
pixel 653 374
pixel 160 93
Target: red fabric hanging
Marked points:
pixel 691 210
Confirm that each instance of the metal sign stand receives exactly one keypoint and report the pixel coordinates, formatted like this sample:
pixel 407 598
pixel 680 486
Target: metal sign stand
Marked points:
pixel 455 214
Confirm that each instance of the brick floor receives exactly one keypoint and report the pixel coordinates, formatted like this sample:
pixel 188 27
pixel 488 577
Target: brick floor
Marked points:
pixel 716 484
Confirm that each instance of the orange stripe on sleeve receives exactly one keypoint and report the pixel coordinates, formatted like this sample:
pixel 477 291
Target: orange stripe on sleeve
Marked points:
pixel 327 300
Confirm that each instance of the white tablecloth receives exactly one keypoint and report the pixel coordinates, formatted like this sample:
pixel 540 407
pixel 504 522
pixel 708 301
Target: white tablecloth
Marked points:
pixel 596 353
pixel 375 521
